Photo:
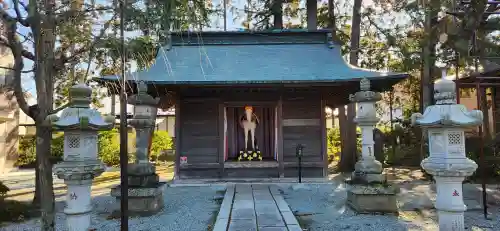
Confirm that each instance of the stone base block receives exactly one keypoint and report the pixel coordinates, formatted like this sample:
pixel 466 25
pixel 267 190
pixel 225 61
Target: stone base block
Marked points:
pixel 78 222
pixel 143 181
pixel 372 198
pixel 142 201
pixel 367 178
pixel 141 169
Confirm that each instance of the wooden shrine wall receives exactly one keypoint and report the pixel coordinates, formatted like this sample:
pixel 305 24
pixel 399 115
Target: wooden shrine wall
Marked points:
pixel 302 119
pixel 303 122
pixel 199 132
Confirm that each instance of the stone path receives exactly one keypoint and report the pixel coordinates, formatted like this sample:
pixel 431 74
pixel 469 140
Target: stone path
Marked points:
pixel 248 207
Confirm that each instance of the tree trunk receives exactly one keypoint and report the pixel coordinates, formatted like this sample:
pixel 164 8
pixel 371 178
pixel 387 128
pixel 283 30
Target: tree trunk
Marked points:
pixel 277 9
pixel 428 64
pixel 486 116
pixel 331 16
pixel 36 197
pixel 351 147
pixel 45 182
pixel 346 162
pixel 426 98
pixel 312 15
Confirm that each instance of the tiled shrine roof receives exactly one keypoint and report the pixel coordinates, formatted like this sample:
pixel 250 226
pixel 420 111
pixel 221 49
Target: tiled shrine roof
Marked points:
pixel 206 58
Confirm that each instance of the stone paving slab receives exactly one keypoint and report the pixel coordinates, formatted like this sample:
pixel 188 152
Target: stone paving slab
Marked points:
pixel 255 206
pixel 265 208
pixel 222 222
pixel 242 225
pixel 272 220
pixel 274 228
pixel 246 213
pixel 289 218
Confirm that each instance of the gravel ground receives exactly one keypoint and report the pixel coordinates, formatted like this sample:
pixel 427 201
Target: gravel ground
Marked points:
pixel 322 207
pixel 186 208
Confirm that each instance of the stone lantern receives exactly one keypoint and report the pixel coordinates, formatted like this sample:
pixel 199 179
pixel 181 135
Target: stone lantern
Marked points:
pixel 446 122
pixel 80 124
pixel 368 190
pixel 145 194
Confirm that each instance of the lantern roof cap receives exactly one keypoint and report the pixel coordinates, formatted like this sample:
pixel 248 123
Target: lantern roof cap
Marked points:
pixel 79 115
pixel 365 94
pixel 446 112
pixel 142 97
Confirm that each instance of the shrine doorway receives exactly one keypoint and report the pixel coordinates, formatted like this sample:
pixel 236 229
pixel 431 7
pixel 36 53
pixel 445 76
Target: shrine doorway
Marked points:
pixel 265 133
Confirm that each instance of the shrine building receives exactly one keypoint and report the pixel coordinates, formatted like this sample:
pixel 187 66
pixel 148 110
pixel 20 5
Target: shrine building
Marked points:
pixel 284 79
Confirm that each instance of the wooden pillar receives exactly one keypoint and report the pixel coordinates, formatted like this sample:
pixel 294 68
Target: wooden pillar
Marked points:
pixel 486 115
pixel 343 139
pixel 351 134
pixel 178 138
pixel 333 120
pixel 222 139
pixel 312 15
pixel 277 9
pixel 281 167
pixel 113 104
pixel 324 149
pixel 495 107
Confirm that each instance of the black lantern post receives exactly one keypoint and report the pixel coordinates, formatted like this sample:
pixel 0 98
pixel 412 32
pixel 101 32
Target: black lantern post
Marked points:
pixel 298 152
pixel 123 126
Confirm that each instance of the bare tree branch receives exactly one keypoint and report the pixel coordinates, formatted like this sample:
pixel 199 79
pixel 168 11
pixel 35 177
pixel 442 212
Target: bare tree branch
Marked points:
pixel 20 19
pixel 26 54
pixel 59 63
pixel 26 38
pixel 17 52
pixel 66 15
pixel 60 108
pixel 24 6
pixel 11 68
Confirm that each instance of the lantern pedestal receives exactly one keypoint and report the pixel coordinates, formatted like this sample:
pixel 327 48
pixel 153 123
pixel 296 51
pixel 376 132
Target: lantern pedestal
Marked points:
pixel 142 175
pixel 142 201
pixel 78 176
pixel 145 192
pixel 368 190
pixel 372 198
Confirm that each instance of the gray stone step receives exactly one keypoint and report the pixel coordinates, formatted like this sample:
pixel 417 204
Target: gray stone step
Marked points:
pixel 247 207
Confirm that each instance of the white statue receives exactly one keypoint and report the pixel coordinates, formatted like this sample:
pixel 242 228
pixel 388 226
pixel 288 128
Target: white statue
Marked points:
pixel 249 122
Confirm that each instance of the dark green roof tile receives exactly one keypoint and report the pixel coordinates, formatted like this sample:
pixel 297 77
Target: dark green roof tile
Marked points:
pixel 250 59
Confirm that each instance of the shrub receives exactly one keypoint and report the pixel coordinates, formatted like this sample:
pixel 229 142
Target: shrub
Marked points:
pixel 27 150
pixel 3 191
pixel 57 147
pixel 108 143
pixel 109 147
pixel 333 143
pixel 402 144
pixel 161 142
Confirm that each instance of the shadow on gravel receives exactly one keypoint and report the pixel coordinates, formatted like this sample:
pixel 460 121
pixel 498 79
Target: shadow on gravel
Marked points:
pixel 323 208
